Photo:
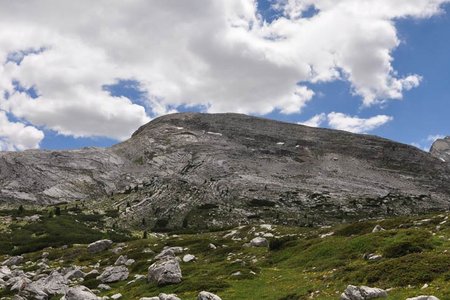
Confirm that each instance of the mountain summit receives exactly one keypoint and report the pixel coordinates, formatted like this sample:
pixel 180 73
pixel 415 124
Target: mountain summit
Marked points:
pixel 206 170
pixel 441 149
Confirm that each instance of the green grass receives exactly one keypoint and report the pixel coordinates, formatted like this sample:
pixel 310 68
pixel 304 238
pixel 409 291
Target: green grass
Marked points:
pixel 297 264
pixel 56 231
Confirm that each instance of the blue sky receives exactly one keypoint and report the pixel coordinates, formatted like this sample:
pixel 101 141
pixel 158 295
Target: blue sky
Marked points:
pixel 128 84
pixel 424 111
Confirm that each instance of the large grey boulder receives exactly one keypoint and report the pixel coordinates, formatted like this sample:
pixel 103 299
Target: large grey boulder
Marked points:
pixel 54 284
pixel 114 274
pixel 99 246
pixel 165 271
pixel 362 293
pixel 207 296
pixel 13 261
pixel 423 298
pixel 80 293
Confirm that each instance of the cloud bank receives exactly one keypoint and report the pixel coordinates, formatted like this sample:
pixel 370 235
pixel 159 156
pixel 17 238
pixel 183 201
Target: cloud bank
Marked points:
pixel 221 55
pixel 349 123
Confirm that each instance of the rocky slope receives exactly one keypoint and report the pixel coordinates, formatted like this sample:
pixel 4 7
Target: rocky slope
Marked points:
pixel 441 149
pixel 207 170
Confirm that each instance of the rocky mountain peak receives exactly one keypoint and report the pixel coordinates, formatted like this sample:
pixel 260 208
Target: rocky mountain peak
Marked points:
pixel 441 149
pixel 212 170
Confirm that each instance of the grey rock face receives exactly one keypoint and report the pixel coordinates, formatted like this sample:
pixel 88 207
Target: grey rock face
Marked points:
pixel 362 293
pixel 114 274
pixel 33 291
pixel 5 273
pixel 80 293
pixel 216 170
pixel 54 284
pixel 13 261
pixel 165 271
pixel 207 296
pixel 99 246
pixel 441 149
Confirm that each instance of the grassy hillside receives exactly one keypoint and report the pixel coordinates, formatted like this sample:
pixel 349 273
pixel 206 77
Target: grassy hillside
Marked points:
pixel 300 263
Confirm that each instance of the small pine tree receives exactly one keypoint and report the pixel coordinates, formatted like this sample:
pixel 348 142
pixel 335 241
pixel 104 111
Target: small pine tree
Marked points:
pixel 145 235
pixel 128 204
pixel 57 211
pixel 144 222
pixel 20 210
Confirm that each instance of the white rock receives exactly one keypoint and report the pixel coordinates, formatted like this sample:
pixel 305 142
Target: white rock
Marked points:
pixel 163 296
pixel 103 286
pixel 188 258
pixel 207 296
pixel 377 228
pixel 80 293
pixel 423 298
pixel 362 293
pixel 259 242
pixel 116 296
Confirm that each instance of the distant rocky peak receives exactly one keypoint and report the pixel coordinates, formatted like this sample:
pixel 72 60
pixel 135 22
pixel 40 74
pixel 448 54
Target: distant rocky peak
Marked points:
pixel 441 149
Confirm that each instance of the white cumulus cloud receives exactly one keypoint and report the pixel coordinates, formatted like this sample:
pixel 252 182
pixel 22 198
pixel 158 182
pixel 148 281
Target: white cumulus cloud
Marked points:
pixel 218 54
pixel 315 121
pixel 18 136
pixel 355 124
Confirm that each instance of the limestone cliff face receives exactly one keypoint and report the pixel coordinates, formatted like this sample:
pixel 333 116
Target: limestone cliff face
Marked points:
pixel 221 169
pixel 441 149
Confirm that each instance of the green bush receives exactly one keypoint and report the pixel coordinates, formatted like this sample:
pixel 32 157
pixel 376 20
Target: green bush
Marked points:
pixel 281 243
pixel 414 269
pixel 358 228
pixel 407 242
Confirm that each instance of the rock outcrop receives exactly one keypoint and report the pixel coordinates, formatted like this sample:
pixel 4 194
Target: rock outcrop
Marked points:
pixel 214 170
pixel 441 149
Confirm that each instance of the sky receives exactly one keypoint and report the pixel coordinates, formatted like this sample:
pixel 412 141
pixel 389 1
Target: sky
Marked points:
pixel 82 73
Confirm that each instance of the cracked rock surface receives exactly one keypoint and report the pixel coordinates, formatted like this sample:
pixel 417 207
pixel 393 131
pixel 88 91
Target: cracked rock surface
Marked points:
pixel 213 170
